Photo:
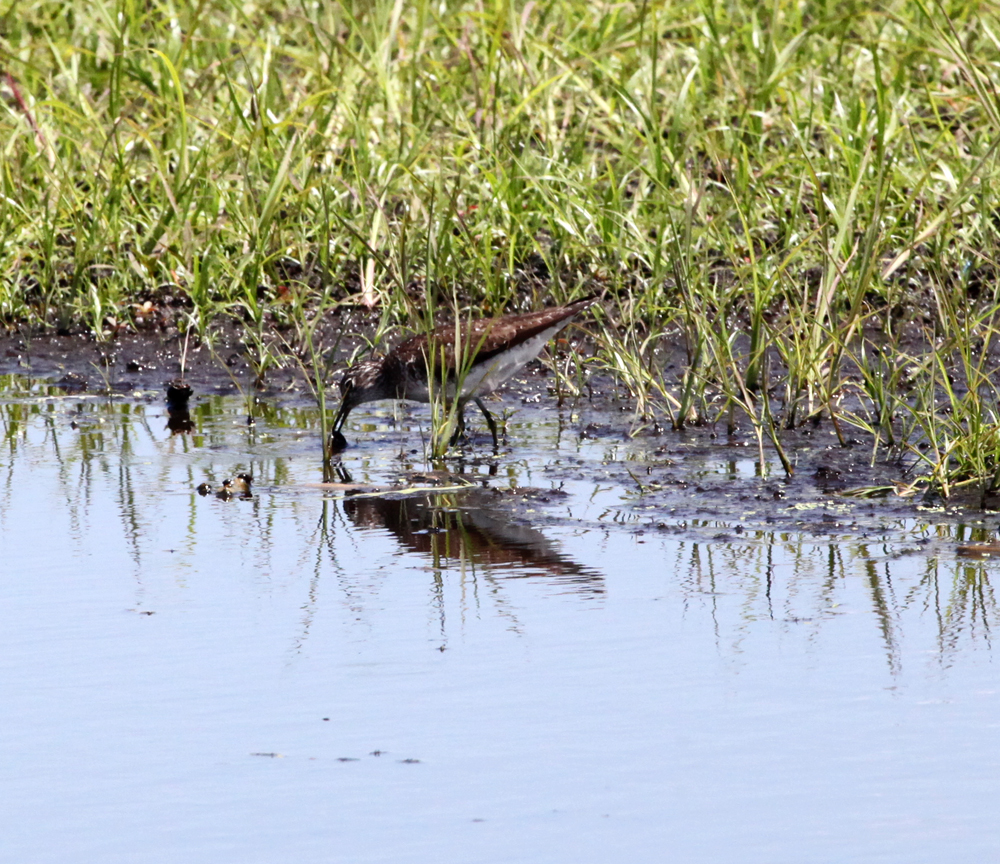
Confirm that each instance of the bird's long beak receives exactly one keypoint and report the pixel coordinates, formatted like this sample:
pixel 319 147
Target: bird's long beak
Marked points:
pixel 337 440
pixel 342 413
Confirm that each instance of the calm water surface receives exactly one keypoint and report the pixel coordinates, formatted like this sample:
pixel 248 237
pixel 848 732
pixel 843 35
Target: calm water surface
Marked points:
pixel 300 677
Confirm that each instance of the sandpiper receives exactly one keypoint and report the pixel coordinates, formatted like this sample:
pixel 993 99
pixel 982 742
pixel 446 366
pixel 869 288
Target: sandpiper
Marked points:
pixel 489 352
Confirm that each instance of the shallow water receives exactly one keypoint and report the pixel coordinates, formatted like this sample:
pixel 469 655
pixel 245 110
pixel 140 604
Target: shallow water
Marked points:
pixel 563 676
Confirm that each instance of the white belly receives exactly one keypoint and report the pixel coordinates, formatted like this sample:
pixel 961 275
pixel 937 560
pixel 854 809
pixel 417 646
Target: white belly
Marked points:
pixel 485 377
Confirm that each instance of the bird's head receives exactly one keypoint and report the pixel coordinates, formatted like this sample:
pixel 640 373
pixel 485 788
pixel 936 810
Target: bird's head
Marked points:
pixel 364 382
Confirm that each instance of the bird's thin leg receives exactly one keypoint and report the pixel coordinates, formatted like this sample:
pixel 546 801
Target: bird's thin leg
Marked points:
pixel 491 423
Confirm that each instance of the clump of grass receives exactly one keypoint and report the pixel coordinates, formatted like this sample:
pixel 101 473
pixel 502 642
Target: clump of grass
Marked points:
pixel 449 362
pixel 316 355
pixel 957 409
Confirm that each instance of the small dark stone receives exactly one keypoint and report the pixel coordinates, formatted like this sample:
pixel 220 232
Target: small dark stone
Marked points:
pixel 178 394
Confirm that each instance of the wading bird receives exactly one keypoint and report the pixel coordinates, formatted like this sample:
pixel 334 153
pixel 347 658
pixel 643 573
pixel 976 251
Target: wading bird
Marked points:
pixel 468 361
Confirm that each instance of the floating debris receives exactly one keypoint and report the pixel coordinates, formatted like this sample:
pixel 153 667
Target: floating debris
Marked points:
pixel 239 487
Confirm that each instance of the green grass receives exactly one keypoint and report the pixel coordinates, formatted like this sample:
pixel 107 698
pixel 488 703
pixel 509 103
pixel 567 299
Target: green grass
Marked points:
pixel 779 189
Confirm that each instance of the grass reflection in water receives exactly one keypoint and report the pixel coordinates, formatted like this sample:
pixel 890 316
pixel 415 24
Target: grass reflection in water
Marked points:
pixel 69 456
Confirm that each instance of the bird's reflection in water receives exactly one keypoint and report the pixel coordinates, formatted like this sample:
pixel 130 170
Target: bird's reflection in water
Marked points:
pixel 468 527
pixel 179 422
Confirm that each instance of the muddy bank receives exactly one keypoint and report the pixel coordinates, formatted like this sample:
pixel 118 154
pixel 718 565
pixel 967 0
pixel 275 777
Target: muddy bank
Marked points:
pixel 699 481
